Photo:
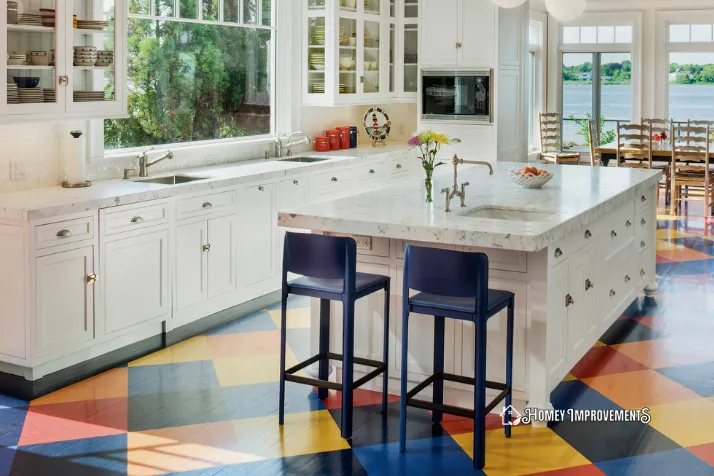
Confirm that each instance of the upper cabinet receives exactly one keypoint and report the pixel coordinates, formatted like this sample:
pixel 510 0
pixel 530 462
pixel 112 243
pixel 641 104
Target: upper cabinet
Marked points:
pixel 355 51
pixel 64 59
pixel 458 33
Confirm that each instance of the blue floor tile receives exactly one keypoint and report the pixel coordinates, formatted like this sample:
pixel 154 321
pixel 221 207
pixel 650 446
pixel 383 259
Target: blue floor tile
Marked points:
pixel 188 407
pixel 10 402
pixel 166 378
pixel 258 400
pixel 11 422
pixel 696 377
pixel 6 457
pixel 294 302
pixel 665 463
pixel 258 321
pixel 299 342
pixel 579 396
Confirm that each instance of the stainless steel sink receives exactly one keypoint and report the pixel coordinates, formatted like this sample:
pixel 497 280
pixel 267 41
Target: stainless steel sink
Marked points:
pixel 171 179
pixel 304 160
pixel 508 213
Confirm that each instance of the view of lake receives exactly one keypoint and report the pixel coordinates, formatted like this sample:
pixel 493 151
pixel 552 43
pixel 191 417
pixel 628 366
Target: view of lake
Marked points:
pixel 686 101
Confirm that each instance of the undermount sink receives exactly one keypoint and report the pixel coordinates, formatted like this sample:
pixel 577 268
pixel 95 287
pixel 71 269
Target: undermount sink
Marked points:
pixel 508 213
pixel 304 160
pixel 171 179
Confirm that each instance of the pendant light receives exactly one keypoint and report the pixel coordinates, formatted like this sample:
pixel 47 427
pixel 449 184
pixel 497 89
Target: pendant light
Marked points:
pixel 508 3
pixel 565 10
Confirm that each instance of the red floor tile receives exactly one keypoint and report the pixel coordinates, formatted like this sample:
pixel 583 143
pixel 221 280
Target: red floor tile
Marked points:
pixel 456 425
pixel 588 470
pixel 704 452
pixel 361 398
pixel 604 361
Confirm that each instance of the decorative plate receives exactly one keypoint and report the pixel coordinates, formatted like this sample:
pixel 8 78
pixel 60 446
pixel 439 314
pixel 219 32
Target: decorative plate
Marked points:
pixel 377 124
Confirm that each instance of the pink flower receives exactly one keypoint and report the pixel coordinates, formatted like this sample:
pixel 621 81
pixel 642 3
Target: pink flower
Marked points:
pixel 414 141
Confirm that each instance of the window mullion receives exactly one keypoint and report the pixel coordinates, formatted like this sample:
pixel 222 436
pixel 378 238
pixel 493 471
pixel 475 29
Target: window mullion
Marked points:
pixel 597 102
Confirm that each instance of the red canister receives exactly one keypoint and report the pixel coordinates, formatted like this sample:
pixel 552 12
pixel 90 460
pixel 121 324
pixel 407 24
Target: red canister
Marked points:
pixel 335 139
pixel 344 137
pixel 322 144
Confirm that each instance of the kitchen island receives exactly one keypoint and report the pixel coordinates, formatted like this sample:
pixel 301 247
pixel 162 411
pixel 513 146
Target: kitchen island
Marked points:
pixel 576 253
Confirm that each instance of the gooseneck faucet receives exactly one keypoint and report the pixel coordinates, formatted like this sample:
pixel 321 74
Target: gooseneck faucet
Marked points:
pixel 455 191
pixel 144 163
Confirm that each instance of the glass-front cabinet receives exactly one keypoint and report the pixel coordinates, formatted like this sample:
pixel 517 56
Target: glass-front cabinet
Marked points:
pixel 352 51
pixel 64 59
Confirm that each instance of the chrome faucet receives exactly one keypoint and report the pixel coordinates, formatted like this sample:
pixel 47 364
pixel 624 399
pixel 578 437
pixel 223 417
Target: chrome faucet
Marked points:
pixel 455 191
pixel 280 149
pixel 144 163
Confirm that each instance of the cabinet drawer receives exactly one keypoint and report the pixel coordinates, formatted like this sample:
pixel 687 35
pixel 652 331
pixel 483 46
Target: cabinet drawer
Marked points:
pixel 621 228
pixel 619 278
pixel 584 237
pixel 643 200
pixel 331 182
pixel 133 217
pixel 205 204
pixel 642 225
pixel 373 171
pixel 401 166
pixel 558 252
pixel 63 232
pixel 643 269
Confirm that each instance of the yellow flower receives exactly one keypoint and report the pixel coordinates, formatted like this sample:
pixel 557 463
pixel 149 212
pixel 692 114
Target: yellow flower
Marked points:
pixel 427 136
pixel 442 139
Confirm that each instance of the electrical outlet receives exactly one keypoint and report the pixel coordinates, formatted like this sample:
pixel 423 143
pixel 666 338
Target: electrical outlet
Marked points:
pixel 363 242
pixel 17 170
pixel 402 131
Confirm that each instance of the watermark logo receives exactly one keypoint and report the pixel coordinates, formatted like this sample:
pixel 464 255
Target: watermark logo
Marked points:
pixel 531 415
pixel 509 410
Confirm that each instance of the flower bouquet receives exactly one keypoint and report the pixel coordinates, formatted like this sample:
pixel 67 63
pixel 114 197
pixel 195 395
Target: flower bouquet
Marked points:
pixel 429 144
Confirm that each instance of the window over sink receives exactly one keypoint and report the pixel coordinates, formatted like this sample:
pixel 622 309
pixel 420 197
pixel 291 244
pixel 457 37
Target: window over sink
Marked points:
pixel 197 71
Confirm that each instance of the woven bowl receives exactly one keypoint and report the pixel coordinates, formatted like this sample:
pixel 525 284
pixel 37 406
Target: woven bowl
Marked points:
pixel 530 181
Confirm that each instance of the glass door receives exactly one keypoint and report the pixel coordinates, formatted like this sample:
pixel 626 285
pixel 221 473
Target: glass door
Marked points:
pixel 33 57
pixel 93 55
pixel 371 53
pixel 347 41
pixel 315 52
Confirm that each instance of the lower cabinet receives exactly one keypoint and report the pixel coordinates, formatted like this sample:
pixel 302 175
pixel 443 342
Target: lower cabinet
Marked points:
pixel 64 299
pixel 206 260
pixel 258 233
pixel 135 279
pixel 581 302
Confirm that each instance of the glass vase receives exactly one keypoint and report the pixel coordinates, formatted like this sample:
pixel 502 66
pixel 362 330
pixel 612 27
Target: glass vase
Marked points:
pixel 428 185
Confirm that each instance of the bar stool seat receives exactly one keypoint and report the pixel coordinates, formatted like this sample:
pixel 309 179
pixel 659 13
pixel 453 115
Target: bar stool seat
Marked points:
pixel 363 283
pixel 497 300
pixel 326 266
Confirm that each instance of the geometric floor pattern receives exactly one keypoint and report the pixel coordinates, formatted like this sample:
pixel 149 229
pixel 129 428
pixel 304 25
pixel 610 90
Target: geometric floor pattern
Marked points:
pixel 208 406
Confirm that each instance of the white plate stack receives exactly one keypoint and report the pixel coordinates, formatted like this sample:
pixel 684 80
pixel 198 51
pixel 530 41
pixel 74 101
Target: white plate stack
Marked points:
pixel 92 24
pixel 12 96
pixel 85 55
pixel 88 96
pixel 31 95
pixel 34 19
pixel 50 95
pixel 105 58
pixel 14 59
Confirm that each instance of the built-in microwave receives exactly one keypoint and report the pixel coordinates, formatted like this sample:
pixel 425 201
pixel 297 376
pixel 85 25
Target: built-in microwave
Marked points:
pixel 457 95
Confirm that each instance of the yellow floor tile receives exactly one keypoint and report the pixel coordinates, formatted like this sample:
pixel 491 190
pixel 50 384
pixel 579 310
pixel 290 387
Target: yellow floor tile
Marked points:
pixel 670 352
pixel 569 377
pixel 663 245
pixel 111 384
pixel 303 433
pixel 599 344
pixel 668 233
pixel 245 344
pixel 297 318
pixel 248 371
pixel 529 450
pixel 186 351
pixel 688 423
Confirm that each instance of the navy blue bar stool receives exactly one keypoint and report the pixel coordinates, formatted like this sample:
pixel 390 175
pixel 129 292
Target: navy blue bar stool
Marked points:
pixel 454 285
pixel 327 269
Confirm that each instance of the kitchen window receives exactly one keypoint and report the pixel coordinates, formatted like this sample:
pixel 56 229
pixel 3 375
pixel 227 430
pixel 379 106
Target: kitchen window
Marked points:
pixel 197 71
pixel 690 50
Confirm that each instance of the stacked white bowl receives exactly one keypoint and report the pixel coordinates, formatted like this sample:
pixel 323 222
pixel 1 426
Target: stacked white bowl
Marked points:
pixel 85 55
pixel 105 58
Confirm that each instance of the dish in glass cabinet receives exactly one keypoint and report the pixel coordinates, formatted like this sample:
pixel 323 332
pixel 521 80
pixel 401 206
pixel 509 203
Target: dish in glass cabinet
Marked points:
pixel 28 82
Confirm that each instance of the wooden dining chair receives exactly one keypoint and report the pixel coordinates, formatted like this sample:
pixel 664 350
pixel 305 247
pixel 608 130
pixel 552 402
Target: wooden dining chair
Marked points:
pixel 658 127
pixel 634 146
pixel 594 140
pixel 691 146
pixel 551 140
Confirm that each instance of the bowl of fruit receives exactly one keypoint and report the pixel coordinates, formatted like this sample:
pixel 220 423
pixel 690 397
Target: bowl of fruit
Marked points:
pixel 531 177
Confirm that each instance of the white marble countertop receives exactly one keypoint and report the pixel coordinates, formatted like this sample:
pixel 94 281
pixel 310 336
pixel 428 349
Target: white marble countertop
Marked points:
pixel 56 201
pixel 576 196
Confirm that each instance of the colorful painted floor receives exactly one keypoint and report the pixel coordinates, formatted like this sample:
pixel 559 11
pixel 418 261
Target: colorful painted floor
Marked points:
pixel 208 406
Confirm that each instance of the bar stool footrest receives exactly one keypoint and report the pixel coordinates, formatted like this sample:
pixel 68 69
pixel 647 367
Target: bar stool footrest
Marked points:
pixel 451 409
pixel 380 368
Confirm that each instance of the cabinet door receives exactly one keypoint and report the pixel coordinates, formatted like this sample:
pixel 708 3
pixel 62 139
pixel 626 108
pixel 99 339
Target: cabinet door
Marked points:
pixel 557 324
pixel 191 264
pixel 64 300
pixel 591 295
pixel 222 256
pixel 478 42
pixel 576 308
pixel 258 234
pixel 135 280
pixel 12 290
pixel 439 33
pixel 292 193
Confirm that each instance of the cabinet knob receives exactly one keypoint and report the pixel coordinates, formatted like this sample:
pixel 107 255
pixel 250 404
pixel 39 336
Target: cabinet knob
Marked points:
pixel 644 199
pixel 458 45
pixel 612 292
pixel 569 300
pixel 206 247
pixel 63 80
pixel 643 221
pixel 371 171
pixel 92 278
pixel 137 220
pixel 588 235
pixel 334 179
pixel 628 223
pixel 642 272
pixel 399 166
pixel 627 278
pixel 295 182
pixel 613 234
pixel 558 253
pixel 362 79
pixel 642 244
pixel 64 234
pixel 207 205
pixel 261 188
pixel 588 284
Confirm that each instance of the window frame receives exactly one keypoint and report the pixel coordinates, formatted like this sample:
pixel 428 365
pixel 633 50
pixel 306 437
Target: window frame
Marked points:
pixel 280 64
pixel 539 21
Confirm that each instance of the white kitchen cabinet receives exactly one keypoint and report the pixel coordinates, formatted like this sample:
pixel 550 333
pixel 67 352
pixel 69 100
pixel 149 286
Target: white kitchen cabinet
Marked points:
pixel 206 260
pixel 292 193
pixel 12 291
pixel 557 329
pixel 258 234
pixel 65 79
pixel 458 33
pixel 582 306
pixel 64 299
pixel 135 280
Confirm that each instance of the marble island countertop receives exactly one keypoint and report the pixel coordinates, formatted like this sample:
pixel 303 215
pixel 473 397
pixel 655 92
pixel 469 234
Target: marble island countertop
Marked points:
pixel 576 196
pixel 56 201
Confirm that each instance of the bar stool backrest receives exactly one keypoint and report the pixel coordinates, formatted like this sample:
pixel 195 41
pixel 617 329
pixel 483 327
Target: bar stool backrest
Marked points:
pixel 320 257
pixel 447 273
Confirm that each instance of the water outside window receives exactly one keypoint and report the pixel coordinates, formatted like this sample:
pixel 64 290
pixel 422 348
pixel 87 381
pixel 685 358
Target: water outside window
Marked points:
pixel 691 86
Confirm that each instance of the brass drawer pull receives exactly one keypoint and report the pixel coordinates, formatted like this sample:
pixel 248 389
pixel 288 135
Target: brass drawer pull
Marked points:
pixel 643 222
pixel 644 199
pixel 642 272
pixel 92 278
pixel 64 234
pixel 399 166
pixel 206 205
pixel 569 300
pixel 627 278
pixel 206 247
pixel 588 284
pixel 642 244
pixel 588 235
pixel 613 234
pixel 628 223
pixel 558 253
pixel 295 182
pixel 137 220
pixel 334 179
pixel 260 188
pixel 371 171
pixel 612 292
